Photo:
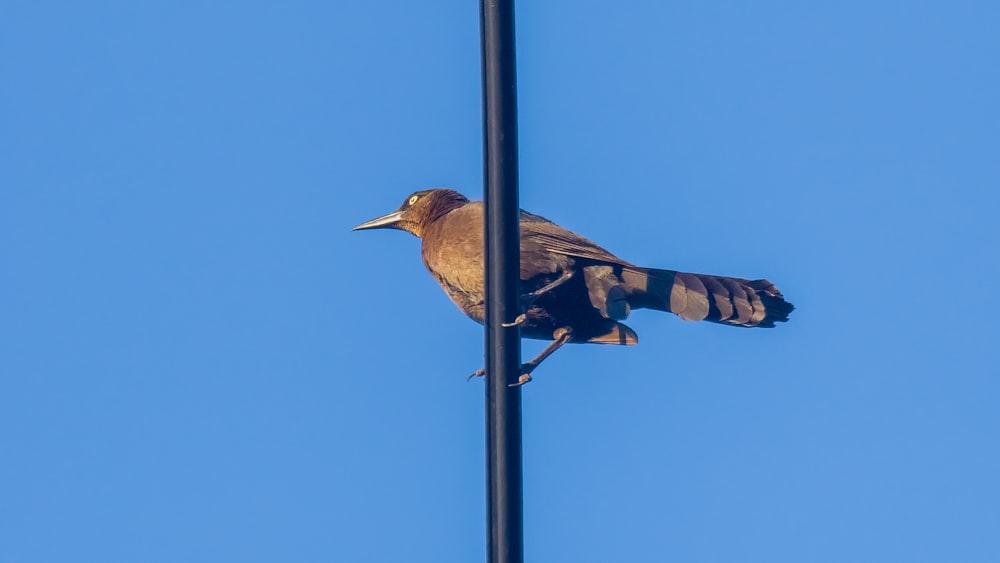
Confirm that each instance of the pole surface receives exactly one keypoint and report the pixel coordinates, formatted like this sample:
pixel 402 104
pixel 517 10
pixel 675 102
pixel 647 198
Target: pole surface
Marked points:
pixel 505 533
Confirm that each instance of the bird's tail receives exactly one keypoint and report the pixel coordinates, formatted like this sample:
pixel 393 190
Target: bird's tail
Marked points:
pixel 701 297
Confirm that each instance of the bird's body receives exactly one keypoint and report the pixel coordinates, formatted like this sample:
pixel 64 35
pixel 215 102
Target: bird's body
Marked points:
pixel 452 250
pixel 576 291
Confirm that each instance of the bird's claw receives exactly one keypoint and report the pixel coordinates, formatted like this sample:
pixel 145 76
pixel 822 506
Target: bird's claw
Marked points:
pixel 521 380
pixel 517 321
pixel 524 378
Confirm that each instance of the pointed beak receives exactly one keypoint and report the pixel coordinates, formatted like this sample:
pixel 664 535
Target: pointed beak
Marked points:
pixel 390 221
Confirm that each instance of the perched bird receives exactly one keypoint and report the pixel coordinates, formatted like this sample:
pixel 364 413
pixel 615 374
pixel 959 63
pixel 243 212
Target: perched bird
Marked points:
pixel 572 289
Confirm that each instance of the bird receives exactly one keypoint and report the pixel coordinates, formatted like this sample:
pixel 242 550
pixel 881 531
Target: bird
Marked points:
pixel 572 290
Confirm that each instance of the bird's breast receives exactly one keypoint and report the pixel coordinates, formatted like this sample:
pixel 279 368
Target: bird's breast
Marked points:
pixel 452 251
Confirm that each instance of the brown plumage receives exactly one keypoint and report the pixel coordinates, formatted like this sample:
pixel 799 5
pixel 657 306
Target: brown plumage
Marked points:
pixel 575 290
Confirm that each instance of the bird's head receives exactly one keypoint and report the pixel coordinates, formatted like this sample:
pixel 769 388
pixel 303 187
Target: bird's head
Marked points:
pixel 419 209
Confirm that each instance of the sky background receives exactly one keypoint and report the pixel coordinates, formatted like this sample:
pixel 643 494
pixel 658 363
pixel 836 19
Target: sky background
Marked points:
pixel 199 361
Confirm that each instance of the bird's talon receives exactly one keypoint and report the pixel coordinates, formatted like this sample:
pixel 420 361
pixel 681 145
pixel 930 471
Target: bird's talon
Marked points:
pixel 524 378
pixel 517 321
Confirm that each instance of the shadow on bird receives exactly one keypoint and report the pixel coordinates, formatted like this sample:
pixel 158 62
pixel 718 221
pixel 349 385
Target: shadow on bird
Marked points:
pixel 572 289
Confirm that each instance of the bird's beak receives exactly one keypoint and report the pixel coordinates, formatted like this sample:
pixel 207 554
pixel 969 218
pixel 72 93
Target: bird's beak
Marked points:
pixel 390 221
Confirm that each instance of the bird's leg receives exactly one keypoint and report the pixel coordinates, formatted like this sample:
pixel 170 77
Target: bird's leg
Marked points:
pixel 529 298
pixel 560 337
pixel 563 278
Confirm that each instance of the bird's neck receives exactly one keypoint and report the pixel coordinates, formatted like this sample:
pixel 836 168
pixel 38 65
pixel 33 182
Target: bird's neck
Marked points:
pixel 440 207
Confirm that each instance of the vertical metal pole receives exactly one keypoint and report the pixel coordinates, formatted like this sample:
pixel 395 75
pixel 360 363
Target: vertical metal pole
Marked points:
pixel 505 541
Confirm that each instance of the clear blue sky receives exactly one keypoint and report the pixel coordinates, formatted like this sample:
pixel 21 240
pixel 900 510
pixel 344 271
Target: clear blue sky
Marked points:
pixel 199 361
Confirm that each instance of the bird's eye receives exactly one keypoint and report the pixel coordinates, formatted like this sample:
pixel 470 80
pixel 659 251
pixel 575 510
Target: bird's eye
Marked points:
pixel 413 199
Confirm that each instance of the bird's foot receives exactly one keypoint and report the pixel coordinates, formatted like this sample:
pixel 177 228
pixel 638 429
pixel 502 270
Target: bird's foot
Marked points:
pixel 526 369
pixel 525 376
pixel 518 321
pixel 560 336
pixel 521 380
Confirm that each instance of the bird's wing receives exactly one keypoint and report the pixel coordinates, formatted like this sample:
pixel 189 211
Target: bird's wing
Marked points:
pixel 553 238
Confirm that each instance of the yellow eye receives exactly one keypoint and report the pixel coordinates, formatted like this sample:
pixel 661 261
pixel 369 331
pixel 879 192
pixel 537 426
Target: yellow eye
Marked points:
pixel 413 199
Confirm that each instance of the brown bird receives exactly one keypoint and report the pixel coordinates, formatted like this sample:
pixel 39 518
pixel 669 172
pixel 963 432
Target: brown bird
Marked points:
pixel 573 290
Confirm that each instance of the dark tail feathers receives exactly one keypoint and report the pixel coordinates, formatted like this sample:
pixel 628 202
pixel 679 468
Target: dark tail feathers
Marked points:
pixel 702 297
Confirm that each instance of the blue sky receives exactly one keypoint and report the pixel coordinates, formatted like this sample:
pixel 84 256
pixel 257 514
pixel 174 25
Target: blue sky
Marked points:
pixel 201 362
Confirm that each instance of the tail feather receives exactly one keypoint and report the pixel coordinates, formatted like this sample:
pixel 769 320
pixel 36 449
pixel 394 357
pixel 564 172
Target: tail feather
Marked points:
pixel 702 297
pixel 617 333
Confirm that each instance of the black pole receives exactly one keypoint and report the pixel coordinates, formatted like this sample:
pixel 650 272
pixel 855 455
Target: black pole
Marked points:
pixel 505 541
